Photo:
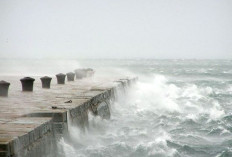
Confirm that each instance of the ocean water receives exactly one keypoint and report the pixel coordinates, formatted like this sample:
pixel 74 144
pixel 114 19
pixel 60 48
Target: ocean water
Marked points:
pixel 178 108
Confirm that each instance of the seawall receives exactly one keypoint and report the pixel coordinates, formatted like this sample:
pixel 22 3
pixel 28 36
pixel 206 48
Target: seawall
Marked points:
pixel 32 122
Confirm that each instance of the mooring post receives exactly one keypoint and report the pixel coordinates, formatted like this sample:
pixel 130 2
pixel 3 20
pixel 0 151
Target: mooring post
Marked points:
pixel 46 82
pixel 70 76
pixel 4 87
pixel 27 84
pixel 79 73
pixel 60 78
pixel 90 72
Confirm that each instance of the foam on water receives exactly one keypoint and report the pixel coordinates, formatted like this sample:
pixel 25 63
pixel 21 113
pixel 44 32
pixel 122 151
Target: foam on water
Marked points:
pixel 178 108
pixel 157 118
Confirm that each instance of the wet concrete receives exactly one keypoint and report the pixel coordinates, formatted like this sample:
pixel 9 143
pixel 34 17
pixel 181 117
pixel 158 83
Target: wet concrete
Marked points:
pixel 31 122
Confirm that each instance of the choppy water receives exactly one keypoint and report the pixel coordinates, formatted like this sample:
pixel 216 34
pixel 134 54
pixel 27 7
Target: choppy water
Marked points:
pixel 179 108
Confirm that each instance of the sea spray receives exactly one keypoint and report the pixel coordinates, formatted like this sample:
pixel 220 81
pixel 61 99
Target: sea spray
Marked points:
pixel 173 110
pixel 156 118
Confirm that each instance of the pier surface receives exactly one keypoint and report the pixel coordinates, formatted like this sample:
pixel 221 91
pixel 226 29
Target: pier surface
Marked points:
pixel 29 119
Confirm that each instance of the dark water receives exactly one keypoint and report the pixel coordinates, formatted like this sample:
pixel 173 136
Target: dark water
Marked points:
pixel 179 108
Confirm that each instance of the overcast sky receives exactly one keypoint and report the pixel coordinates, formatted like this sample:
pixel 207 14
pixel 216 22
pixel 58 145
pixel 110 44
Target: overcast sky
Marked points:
pixel 116 29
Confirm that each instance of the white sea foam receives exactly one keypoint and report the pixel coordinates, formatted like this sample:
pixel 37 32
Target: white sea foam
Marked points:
pixel 216 111
pixel 144 120
pixel 157 97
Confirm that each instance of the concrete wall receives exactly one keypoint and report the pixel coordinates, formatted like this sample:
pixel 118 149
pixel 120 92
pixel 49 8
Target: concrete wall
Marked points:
pixel 53 124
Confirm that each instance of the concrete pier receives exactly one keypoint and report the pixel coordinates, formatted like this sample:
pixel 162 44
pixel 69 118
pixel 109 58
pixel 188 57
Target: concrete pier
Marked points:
pixel 31 122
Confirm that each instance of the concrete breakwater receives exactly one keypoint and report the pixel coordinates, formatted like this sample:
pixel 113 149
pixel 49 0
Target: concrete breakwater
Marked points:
pixel 32 122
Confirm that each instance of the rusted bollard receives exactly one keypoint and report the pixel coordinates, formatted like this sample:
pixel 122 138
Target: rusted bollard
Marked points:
pixel 60 78
pixel 27 84
pixel 46 81
pixel 70 76
pixel 4 87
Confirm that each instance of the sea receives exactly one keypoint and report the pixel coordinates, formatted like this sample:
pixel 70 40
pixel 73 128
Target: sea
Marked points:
pixel 177 108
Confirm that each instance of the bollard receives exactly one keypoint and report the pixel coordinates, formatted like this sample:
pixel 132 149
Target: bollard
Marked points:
pixel 27 83
pixel 79 73
pixel 85 72
pixel 70 76
pixel 60 78
pixel 90 72
pixel 46 82
pixel 4 87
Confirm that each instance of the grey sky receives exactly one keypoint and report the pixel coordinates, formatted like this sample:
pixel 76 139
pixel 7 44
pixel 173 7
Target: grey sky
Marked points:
pixel 116 28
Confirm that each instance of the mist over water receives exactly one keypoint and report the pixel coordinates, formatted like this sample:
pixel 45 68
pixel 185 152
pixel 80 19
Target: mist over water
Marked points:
pixel 178 108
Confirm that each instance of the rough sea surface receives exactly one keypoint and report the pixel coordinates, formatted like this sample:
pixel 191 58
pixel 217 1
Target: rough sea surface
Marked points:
pixel 178 108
